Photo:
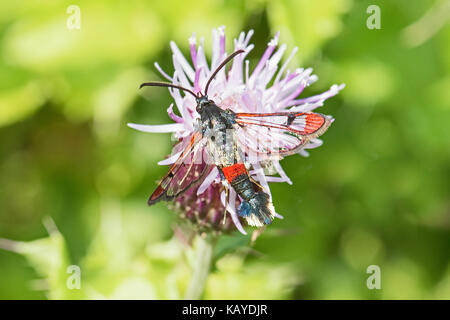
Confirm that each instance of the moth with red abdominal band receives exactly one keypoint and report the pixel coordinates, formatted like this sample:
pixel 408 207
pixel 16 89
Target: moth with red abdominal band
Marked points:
pixel 227 154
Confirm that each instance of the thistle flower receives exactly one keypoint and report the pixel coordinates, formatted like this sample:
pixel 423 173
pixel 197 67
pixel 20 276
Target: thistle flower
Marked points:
pixel 240 91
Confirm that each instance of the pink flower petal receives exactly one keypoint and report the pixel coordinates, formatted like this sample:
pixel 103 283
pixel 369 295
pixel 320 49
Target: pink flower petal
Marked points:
pixel 283 67
pixel 201 59
pixel 281 172
pixel 231 208
pixel 170 160
pixel 192 45
pixel 208 180
pixel 334 90
pixel 173 116
pixel 279 216
pixel 172 127
pixel 271 46
pixel 179 57
pixel 160 70
pixel 222 41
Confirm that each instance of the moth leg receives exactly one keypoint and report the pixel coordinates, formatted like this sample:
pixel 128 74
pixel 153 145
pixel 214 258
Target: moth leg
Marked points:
pixel 192 160
pixel 222 175
pixel 226 204
pixel 225 185
pixel 255 182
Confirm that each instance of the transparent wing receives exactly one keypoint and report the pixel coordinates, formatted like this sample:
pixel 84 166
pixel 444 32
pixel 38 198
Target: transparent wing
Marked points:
pixel 188 170
pixel 275 135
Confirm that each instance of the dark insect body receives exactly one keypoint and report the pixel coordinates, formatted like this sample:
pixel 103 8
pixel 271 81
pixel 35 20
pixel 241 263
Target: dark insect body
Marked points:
pixel 221 135
pixel 220 126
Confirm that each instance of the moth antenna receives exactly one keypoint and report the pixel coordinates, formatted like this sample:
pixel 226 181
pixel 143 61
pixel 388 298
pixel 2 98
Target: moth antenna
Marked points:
pixel 166 84
pixel 228 59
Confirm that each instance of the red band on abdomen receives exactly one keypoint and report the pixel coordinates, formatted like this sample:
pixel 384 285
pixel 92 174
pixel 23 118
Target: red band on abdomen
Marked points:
pixel 233 171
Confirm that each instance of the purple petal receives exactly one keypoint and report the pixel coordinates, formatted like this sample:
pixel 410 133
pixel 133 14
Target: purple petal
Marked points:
pixel 271 46
pixel 305 107
pixel 248 37
pixel 262 179
pixel 215 49
pixel 279 216
pixel 197 79
pixel 160 70
pixel 179 57
pixel 172 127
pixel 170 159
pixel 231 208
pixel 181 74
pixel 173 116
pixel 283 67
pixel 334 90
pixel 192 45
pixel 281 172
pixel 303 153
pixel 201 59
pixel 222 41
pixel 208 180
pixel 294 94
pixel 275 179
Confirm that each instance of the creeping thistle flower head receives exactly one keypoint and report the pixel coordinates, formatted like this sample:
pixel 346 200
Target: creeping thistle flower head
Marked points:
pixel 240 90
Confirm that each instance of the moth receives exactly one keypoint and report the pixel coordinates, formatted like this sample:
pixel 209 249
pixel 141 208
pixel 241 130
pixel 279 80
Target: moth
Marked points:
pixel 224 137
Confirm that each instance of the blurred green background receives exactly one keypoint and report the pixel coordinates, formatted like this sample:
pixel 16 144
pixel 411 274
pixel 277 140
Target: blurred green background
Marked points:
pixel 74 179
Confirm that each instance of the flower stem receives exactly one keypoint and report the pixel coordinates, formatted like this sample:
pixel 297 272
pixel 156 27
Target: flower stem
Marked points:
pixel 202 265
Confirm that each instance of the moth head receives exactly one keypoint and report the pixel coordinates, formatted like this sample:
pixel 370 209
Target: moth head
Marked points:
pixel 202 101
